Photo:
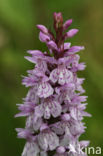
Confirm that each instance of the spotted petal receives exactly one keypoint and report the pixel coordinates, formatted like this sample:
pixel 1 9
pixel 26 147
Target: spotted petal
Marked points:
pixel 44 90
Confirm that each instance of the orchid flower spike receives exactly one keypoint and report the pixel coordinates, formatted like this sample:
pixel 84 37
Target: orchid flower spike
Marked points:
pixel 54 106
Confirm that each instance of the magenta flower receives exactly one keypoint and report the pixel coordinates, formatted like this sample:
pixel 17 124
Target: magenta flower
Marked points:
pixel 54 106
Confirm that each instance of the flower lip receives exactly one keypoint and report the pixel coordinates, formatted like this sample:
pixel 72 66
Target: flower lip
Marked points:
pixel 60 150
pixel 43 127
pixel 65 117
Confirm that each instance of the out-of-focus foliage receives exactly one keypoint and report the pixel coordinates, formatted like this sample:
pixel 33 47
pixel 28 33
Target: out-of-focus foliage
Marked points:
pixel 18 33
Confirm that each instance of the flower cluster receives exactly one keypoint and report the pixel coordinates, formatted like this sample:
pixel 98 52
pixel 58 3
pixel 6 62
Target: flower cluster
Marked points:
pixel 55 105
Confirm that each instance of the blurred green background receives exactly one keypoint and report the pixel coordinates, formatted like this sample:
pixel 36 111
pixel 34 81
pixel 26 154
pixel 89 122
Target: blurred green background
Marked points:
pixel 18 33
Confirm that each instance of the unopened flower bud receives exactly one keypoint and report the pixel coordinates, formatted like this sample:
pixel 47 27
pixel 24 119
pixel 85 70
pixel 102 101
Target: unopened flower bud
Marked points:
pixel 67 24
pixel 58 20
pixel 42 28
pixel 71 33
